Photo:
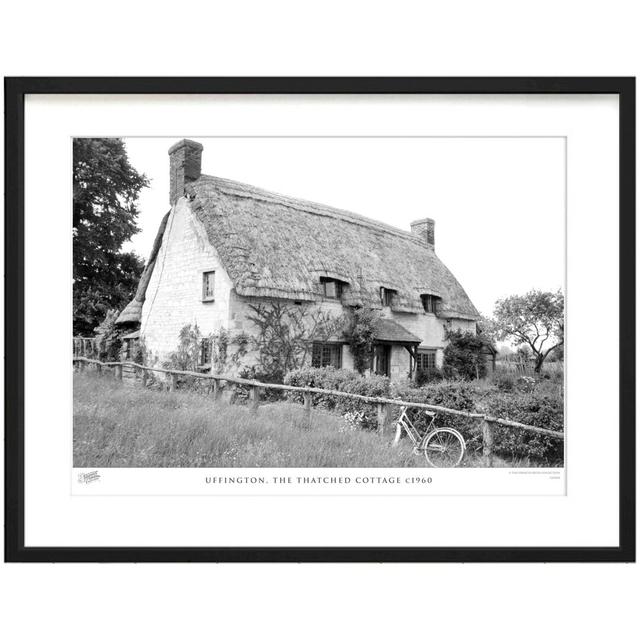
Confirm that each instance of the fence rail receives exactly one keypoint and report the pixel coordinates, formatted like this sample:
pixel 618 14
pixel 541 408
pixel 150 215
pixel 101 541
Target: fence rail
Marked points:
pixel 487 422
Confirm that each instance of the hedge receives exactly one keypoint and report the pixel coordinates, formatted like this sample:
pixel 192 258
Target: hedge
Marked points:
pixel 540 410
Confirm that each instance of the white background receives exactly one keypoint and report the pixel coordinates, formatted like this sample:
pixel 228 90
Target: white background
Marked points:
pixel 465 38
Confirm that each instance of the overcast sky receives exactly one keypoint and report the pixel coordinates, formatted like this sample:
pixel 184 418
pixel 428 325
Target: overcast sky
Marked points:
pixel 498 203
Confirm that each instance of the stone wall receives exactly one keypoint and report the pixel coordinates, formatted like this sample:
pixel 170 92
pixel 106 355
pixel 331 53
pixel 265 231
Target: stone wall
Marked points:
pixel 174 294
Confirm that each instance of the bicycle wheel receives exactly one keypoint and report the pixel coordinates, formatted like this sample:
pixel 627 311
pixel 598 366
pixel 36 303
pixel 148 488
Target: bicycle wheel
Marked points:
pixel 444 448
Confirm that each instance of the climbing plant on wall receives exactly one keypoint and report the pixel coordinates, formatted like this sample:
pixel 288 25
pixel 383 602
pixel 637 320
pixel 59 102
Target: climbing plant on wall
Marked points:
pixel 285 333
pixel 359 334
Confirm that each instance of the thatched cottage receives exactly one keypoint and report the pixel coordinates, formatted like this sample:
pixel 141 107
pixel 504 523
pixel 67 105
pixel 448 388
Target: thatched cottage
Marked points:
pixel 225 245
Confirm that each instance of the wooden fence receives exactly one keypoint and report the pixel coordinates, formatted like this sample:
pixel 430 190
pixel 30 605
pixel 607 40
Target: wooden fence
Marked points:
pixel 488 423
pixel 525 367
pixel 85 347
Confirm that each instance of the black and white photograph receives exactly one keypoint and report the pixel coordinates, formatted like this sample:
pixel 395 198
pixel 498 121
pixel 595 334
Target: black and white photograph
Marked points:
pixel 306 302
pixel 362 315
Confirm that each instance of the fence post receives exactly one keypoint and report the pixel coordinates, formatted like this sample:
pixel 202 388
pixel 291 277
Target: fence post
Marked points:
pixel 216 390
pixel 172 382
pixel 383 416
pixel 487 442
pixel 81 363
pixel 396 440
pixel 307 404
pixel 254 396
pixel 119 372
pixel 144 377
pixel 99 368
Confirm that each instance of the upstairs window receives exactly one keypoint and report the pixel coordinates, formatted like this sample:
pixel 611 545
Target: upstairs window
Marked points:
pixel 426 360
pixel 326 354
pixel 208 285
pixel 429 303
pixel 331 288
pixel 386 296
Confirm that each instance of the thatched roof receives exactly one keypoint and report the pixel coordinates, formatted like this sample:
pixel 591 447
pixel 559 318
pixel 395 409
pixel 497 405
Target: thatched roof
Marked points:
pixel 275 246
pixel 133 311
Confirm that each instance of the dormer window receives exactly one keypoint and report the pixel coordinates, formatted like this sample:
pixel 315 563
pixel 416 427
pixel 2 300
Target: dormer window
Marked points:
pixel 331 288
pixel 429 303
pixel 386 296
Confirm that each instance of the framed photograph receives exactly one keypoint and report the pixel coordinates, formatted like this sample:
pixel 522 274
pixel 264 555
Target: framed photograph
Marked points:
pixel 320 319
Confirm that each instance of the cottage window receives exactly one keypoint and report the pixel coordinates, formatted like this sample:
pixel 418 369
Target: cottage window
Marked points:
pixel 426 360
pixel 429 303
pixel 326 354
pixel 331 288
pixel 386 296
pixel 208 285
pixel 205 352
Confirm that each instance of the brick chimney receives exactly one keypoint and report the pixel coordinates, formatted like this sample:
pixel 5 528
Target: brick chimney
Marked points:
pixel 425 229
pixel 184 166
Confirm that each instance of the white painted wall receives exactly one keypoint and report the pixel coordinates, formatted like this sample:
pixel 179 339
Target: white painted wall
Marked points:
pixel 174 294
pixel 431 331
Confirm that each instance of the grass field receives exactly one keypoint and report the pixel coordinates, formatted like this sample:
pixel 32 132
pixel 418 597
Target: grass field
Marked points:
pixel 123 426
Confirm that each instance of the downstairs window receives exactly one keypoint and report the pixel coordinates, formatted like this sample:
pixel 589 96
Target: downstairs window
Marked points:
pixel 426 360
pixel 205 352
pixel 326 354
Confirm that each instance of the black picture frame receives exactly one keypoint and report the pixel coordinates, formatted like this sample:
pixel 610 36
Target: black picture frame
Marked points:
pixel 15 91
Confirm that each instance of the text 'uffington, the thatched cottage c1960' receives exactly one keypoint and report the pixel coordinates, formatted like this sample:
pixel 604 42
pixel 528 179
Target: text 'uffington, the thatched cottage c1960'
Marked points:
pixel 225 247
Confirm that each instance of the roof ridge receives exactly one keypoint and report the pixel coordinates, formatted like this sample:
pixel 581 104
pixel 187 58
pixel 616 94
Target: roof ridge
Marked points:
pixel 245 190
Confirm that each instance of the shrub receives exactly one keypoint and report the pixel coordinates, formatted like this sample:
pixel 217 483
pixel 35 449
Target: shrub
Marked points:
pixel 186 357
pixel 427 376
pixel 463 356
pixel 504 380
pixel 340 380
pixel 538 411
pixel 255 373
pixel 108 339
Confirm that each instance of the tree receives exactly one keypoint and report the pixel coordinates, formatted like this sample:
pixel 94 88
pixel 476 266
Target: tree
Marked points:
pixel 487 329
pixel 105 195
pixel 535 319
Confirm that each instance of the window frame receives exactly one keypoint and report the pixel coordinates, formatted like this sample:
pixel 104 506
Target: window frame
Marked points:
pixel 338 288
pixel 429 300
pixel 334 348
pixel 426 353
pixel 205 288
pixel 387 296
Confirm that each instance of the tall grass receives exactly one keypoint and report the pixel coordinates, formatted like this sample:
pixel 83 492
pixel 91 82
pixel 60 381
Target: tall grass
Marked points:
pixel 121 426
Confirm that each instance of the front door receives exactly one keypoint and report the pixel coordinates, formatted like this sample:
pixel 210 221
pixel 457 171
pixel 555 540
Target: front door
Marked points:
pixel 382 359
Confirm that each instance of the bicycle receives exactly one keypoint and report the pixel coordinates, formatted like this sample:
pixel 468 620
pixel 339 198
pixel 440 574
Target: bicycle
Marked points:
pixel 441 446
